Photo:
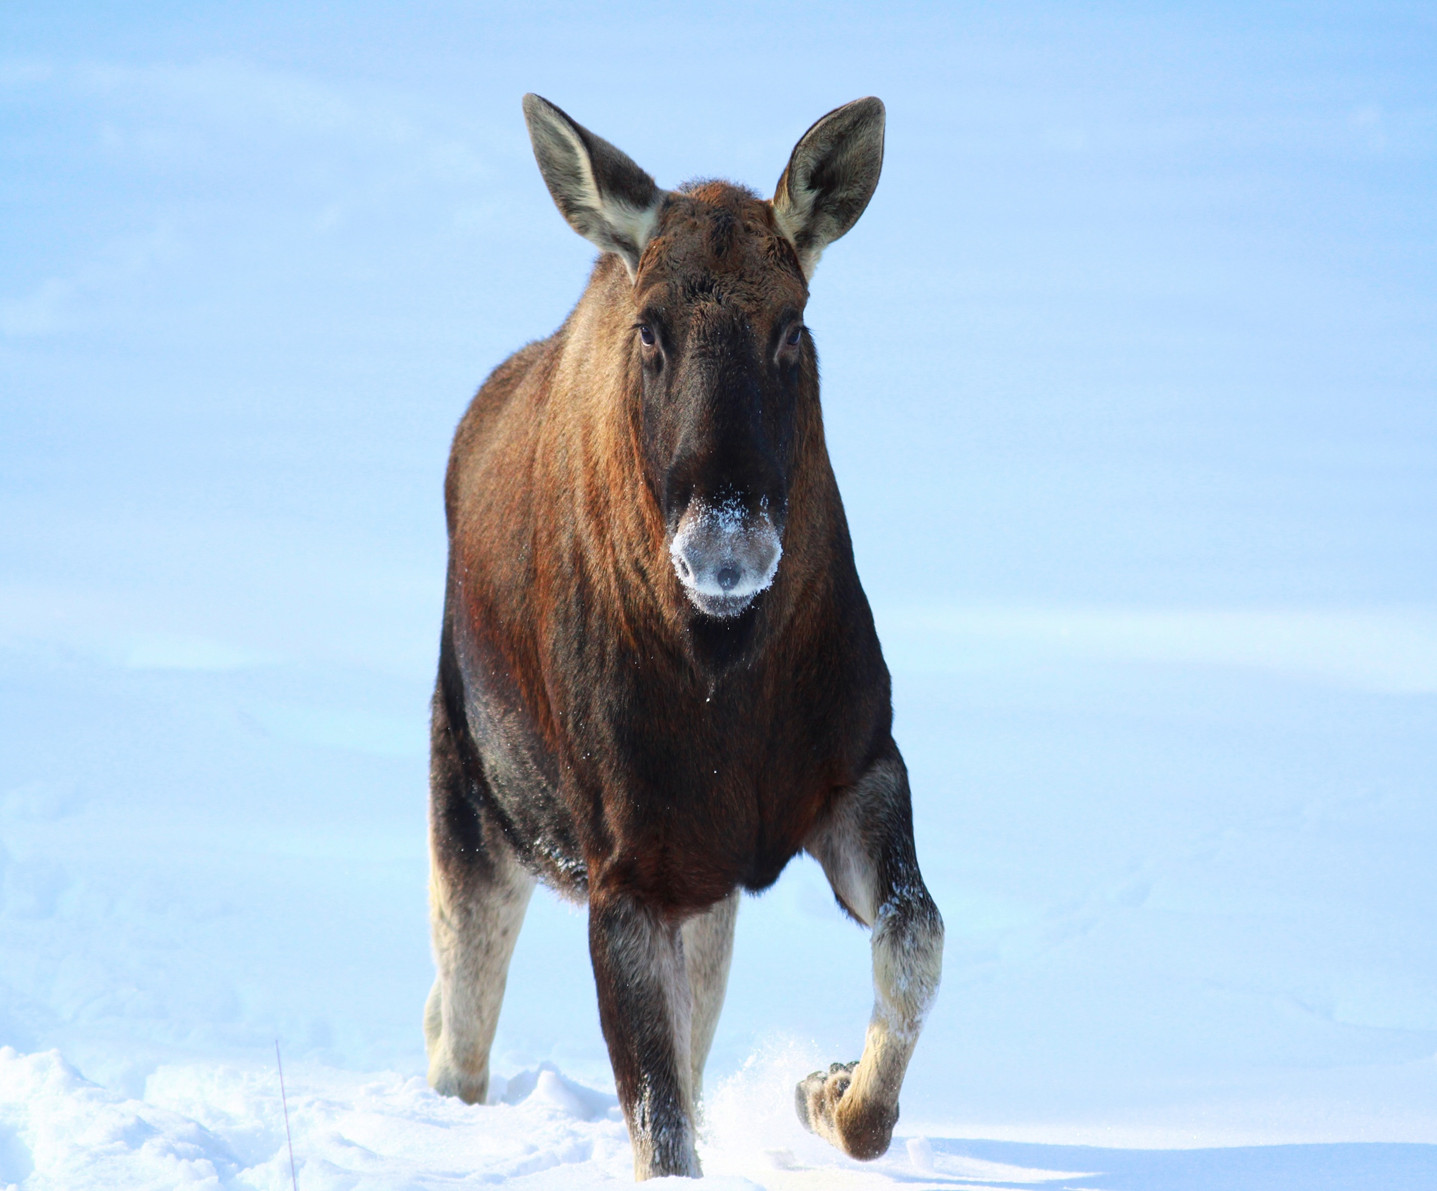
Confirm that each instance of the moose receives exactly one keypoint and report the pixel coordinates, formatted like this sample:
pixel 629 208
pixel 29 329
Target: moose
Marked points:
pixel 659 678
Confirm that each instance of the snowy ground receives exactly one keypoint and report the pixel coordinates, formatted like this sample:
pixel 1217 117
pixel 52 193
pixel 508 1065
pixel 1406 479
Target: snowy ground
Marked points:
pixel 201 1126
pixel 1131 385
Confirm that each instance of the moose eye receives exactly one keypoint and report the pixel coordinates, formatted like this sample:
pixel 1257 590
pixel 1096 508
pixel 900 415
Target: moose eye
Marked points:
pixel 794 336
pixel 646 335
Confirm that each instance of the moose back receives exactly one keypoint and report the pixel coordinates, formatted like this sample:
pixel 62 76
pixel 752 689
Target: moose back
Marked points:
pixel 659 678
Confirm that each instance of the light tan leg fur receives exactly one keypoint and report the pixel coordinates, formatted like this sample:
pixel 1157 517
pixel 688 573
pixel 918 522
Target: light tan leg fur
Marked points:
pixel 866 849
pixel 708 948
pixel 475 924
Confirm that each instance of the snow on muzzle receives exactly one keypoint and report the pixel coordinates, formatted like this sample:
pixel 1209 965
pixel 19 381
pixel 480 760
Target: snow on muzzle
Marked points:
pixel 724 556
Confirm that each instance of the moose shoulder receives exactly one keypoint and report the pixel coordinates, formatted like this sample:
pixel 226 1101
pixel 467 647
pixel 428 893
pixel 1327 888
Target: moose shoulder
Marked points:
pixel 659 678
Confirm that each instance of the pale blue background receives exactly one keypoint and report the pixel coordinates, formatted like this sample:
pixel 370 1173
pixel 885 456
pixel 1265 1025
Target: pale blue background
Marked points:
pixel 1131 385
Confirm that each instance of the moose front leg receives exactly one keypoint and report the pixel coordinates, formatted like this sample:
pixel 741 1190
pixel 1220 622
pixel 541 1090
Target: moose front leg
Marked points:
pixel 708 949
pixel 866 849
pixel 645 1009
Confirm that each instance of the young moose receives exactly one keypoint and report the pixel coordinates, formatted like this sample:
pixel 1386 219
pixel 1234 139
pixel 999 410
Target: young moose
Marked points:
pixel 659 678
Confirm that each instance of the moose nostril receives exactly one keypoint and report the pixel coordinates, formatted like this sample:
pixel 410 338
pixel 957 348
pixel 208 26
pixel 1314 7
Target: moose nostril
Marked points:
pixel 684 571
pixel 727 577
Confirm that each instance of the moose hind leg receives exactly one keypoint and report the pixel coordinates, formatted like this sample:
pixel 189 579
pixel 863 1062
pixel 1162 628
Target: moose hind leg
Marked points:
pixel 477 897
pixel 708 949
pixel 645 1008
pixel 866 849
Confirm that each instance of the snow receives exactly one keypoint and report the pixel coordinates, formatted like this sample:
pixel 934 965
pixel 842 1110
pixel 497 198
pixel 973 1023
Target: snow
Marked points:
pixel 710 538
pixel 223 1126
pixel 1129 378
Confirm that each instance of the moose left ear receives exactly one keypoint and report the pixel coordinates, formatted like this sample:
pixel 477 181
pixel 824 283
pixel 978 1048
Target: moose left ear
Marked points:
pixel 830 178
pixel 605 197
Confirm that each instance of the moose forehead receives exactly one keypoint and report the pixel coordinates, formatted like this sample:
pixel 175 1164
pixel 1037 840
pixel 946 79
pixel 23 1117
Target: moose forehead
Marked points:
pixel 716 245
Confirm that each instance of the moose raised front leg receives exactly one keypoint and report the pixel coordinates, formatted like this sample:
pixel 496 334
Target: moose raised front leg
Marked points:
pixel 866 849
pixel 646 1009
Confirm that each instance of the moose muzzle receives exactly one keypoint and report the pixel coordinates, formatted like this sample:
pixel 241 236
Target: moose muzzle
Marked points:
pixel 724 556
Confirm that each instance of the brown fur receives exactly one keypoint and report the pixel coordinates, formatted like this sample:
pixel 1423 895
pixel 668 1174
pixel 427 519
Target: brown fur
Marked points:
pixel 594 727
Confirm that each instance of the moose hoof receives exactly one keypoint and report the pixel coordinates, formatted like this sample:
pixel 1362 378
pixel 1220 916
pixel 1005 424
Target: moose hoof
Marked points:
pixel 861 1131
pixel 472 1088
pixel 817 1096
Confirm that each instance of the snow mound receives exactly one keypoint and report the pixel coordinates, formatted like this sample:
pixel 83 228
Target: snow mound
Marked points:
pixel 223 1126
pixel 61 1131
pixel 545 1085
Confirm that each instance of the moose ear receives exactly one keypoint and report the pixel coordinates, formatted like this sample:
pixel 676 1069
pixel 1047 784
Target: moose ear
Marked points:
pixel 605 197
pixel 830 178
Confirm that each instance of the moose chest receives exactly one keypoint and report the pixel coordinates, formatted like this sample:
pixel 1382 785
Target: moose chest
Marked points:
pixel 653 784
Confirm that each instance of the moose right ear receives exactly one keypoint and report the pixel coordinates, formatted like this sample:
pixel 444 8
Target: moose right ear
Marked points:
pixel 830 178
pixel 605 197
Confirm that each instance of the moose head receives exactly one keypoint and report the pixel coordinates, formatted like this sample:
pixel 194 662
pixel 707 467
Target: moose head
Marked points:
pixel 721 358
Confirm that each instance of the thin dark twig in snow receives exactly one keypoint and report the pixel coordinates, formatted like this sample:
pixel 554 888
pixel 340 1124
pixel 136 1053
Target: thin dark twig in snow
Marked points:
pixel 293 1178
